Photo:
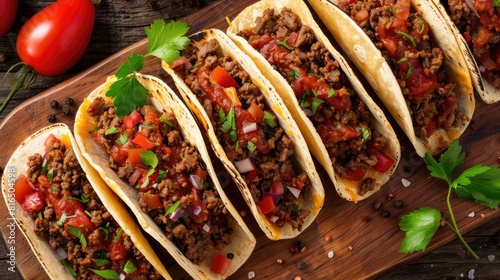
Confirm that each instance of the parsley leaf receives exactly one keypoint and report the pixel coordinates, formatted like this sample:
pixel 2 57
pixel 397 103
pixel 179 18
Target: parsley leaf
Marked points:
pixel 269 119
pixel 122 139
pixel 129 267
pixel 251 146
pixel 107 274
pixel 284 44
pixel 71 270
pixel 420 226
pixel 449 162
pixel 149 158
pixel 76 232
pixel 315 104
pixel 166 40
pixel 293 75
pixel 407 36
pixel 173 207
pixel 496 3
pixel 481 183
pixel 111 130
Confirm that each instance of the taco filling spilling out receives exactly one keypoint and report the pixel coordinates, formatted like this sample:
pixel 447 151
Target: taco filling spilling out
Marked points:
pixel 479 22
pixel 248 131
pixel 71 217
pixel 147 150
pixel 402 35
pixel 339 116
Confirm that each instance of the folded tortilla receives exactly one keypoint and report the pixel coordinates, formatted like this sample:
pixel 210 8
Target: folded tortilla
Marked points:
pixel 164 99
pixel 47 256
pixel 369 60
pixel 346 188
pixel 314 198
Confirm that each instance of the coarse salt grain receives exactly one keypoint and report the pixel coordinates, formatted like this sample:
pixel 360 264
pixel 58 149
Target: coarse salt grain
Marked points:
pixel 471 214
pixel 491 258
pixel 251 275
pixel 330 254
pixel 405 182
pixel 471 274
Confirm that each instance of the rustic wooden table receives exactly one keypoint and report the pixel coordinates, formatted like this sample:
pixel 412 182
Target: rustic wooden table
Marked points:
pixel 120 23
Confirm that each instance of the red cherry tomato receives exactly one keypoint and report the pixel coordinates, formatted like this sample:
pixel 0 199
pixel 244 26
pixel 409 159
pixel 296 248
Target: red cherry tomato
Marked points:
pixel 55 38
pixel 8 11
pixel 22 188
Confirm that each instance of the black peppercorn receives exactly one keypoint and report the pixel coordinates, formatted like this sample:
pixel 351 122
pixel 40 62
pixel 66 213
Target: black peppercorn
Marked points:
pixel 54 104
pixel 69 101
pixel 230 256
pixel 66 110
pixel 302 265
pixel 386 214
pixel 399 203
pixel 51 118
pixel 379 205
pixel 299 245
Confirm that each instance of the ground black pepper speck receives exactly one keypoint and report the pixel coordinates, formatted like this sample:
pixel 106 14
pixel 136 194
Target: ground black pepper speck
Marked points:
pixel 51 118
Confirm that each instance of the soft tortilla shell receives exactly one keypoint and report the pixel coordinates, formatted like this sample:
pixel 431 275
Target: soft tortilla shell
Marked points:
pixel 164 99
pixel 345 188
pixel 372 65
pixel 314 199
pixel 47 256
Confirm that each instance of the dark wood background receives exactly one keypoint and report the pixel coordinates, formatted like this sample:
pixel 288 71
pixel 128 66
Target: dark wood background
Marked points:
pixel 120 23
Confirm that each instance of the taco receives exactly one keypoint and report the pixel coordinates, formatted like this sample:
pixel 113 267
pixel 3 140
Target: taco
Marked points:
pixel 73 222
pixel 412 62
pixel 477 25
pixel 344 128
pixel 155 159
pixel 251 131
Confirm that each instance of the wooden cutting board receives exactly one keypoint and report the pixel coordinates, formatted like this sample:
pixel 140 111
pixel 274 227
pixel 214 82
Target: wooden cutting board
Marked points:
pixel 365 244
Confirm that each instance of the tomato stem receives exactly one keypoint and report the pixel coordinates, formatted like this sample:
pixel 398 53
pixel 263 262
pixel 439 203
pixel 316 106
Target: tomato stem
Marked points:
pixel 19 81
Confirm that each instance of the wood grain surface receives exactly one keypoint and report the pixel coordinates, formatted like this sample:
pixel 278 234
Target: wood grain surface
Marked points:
pixel 362 249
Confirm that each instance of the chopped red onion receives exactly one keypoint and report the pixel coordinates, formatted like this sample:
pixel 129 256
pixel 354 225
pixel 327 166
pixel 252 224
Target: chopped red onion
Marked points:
pixel 274 219
pixel 75 192
pixel 206 227
pixel 276 197
pixel 122 276
pixel 244 165
pixel 250 127
pixel 61 253
pixel 197 210
pixel 195 180
pixel 307 111
pixel 471 4
pixel 295 191
pixel 176 214
pixel 134 177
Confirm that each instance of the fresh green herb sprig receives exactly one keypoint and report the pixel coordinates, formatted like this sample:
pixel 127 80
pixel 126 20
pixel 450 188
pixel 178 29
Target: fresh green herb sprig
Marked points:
pixel 480 182
pixel 166 40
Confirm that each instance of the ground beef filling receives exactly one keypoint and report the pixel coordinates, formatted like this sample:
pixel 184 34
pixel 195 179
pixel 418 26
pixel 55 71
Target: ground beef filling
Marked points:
pixel 66 188
pixel 270 151
pixel 402 36
pixel 178 194
pixel 479 22
pixel 339 116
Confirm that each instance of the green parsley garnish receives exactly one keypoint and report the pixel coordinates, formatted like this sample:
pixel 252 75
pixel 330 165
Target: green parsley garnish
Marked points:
pixel 50 175
pixel 402 60
pixel 479 182
pixel 251 146
pixel 146 126
pixel 88 213
pixel 496 3
pixel 284 44
pixel 163 120
pixel 365 133
pixel 71 270
pixel 40 215
pixel 118 235
pixel 165 42
pixel 111 130
pixel 421 21
pixel 269 119
pixel 293 75
pixel 107 274
pixel 82 198
pixel 122 139
pixel 407 36
pixel 45 167
pixel 76 232
pixel 63 218
pixel 129 267
pixel 93 130
pixel 410 70
pixel 331 93
pixel 228 123
pixel 101 262
pixel 161 176
pixel 106 231
pixel 172 208
pixel 415 107
pixel 315 104
pixel 315 75
pixel 149 158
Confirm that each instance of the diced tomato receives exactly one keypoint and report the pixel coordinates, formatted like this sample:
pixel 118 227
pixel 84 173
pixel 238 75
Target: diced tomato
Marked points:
pixel 467 36
pixel 221 264
pixel 297 183
pixel 482 38
pixel 151 116
pixel 43 180
pixel 51 140
pixel 143 141
pixel 384 162
pixel 33 201
pixel 120 153
pixel 277 187
pixel 223 78
pixel 152 200
pixel 67 206
pixel 179 61
pixel 131 120
pixel 134 155
pixel 256 112
pixel 22 188
pixel 81 221
pixel 292 39
pixel 253 174
pixel 356 174
pixel 267 205
pixel 373 146
pixel 118 251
